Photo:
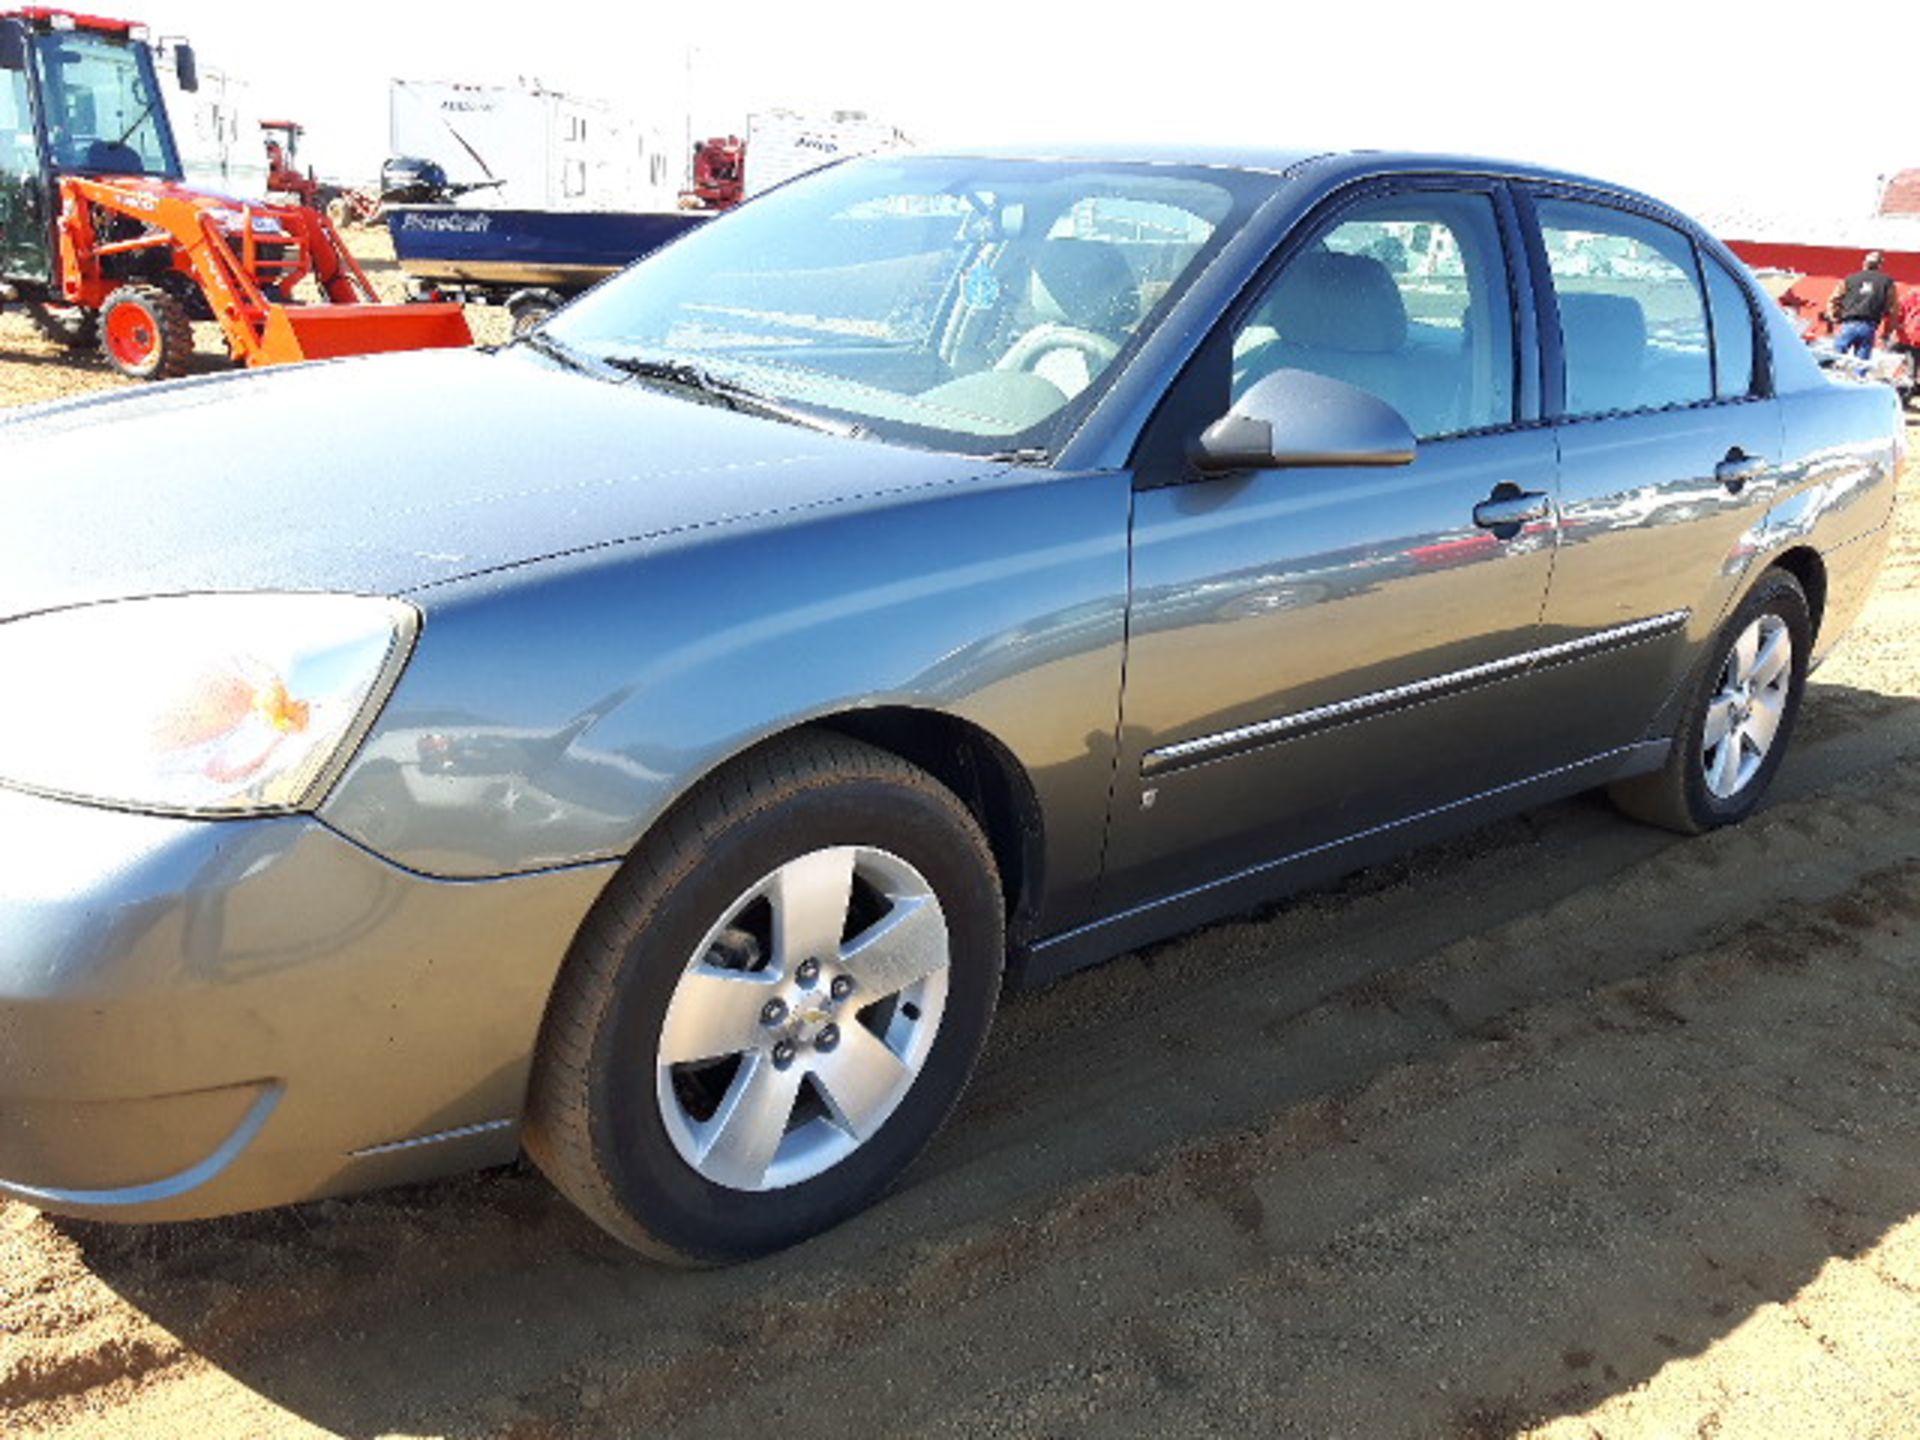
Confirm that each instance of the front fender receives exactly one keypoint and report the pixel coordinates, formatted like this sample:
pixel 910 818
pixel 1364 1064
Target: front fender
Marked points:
pixel 553 712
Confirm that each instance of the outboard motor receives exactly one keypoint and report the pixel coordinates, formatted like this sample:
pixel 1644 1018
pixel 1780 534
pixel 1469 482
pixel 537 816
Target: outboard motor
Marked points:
pixel 410 180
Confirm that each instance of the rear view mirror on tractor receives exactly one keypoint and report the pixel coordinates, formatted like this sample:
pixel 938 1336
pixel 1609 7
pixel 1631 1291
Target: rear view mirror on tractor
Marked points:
pixel 13 45
pixel 185 68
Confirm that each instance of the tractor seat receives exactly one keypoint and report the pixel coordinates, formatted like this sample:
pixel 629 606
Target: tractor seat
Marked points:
pixel 113 157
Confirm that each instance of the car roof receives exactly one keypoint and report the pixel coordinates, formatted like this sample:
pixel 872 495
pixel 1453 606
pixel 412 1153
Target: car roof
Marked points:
pixel 1329 165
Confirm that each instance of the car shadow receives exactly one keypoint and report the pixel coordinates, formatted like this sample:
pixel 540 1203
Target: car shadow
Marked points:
pixel 1469 1141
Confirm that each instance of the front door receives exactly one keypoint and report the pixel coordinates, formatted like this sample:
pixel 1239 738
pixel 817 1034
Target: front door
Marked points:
pixel 1317 652
pixel 24 250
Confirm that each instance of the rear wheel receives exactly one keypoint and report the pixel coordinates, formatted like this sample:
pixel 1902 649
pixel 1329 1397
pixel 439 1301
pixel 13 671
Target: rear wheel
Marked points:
pixel 774 1007
pixel 145 334
pixel 71 325
pixel 1739 720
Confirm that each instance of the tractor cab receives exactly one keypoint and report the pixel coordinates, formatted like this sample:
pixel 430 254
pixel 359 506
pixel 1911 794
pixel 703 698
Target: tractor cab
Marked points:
pixel 78 96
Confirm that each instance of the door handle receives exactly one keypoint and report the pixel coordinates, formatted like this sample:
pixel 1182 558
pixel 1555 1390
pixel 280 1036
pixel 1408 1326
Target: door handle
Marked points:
pixel 1738 468
pixel 1510 509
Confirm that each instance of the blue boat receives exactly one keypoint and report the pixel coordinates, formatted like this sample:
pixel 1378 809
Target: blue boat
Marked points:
pixel 488 255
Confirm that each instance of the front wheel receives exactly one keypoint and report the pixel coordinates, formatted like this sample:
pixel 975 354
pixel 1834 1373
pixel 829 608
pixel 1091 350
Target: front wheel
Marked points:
pixel 145 333
pixel 774 1007
pixel 1737 725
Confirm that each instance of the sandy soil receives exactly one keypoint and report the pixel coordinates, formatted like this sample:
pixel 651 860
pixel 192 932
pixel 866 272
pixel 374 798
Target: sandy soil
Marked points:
pixel 1566 1129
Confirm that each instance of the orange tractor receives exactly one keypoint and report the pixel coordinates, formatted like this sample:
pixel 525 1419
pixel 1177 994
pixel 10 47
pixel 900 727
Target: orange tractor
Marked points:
pixel 104 244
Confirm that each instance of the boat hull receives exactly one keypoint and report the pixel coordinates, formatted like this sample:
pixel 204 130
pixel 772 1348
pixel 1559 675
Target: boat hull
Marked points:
pixel 554 249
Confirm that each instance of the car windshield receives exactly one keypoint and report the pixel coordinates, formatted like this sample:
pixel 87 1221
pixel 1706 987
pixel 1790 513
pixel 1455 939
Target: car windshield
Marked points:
pixel 952 303
pixel 102 106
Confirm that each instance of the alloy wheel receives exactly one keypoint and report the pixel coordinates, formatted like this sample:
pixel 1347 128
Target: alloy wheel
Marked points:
pixel 1743 717
pixel 803 1018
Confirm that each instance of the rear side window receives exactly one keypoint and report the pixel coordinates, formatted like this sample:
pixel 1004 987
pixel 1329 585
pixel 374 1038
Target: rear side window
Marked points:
pixel 1633 323
pixel 1732 332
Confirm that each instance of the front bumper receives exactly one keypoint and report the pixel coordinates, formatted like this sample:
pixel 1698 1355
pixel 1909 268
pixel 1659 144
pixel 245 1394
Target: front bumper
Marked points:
pixel 203 1017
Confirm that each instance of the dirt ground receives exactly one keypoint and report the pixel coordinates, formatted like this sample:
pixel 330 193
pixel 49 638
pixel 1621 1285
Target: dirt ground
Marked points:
pixel 1566 1129
pixel 33 368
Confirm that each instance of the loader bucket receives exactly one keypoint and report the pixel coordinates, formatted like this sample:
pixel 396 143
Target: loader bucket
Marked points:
pixel 320 332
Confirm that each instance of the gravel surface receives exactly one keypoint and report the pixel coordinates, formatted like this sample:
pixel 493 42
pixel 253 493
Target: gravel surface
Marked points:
pixel 1568 1128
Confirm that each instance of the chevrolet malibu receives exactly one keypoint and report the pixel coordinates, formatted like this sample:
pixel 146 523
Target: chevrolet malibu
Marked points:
pixel 653 744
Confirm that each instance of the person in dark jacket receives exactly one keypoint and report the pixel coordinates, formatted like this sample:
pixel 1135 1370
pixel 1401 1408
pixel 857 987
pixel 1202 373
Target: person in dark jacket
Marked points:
pixel 1865 306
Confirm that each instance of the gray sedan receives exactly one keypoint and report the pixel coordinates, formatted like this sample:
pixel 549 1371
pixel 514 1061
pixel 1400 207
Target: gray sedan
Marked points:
pixel 652 745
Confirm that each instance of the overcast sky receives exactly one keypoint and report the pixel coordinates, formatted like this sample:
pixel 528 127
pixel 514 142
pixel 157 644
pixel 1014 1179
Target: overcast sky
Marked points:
pixel 1685 100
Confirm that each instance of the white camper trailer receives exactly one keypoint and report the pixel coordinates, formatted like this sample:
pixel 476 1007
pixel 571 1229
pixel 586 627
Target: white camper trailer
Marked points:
pixel 549 151
pixel 782 144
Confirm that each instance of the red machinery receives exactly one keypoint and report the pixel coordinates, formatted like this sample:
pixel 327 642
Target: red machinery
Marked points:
pixel 343 205
pixel 98 233
pixel 719 174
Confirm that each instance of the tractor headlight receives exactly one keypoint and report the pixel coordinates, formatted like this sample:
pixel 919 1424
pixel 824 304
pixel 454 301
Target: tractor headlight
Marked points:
pixel 196 704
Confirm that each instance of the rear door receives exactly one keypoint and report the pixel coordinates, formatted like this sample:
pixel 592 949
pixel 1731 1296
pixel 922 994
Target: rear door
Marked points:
pixel 1315 652
pixel 24 251
pixel 1669 447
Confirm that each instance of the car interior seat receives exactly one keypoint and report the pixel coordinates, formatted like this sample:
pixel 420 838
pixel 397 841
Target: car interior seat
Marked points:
pixel 1342 316
pixel 1085 300
pixel 1605 339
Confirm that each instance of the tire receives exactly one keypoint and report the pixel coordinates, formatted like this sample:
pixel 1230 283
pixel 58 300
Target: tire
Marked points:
pixel 71 325
pixel 528 308
pixel 145 334
pixel 687 1009
pixel 1716 775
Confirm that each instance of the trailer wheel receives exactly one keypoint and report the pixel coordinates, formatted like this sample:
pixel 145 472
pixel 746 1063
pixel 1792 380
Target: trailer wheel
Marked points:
pixel 144 333
pixel 71 325
pixel 528 308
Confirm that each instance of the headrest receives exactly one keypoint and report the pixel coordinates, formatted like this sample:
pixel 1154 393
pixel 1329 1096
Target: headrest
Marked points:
pixel 1085 283
pixel 1333 301
pixel 1603 332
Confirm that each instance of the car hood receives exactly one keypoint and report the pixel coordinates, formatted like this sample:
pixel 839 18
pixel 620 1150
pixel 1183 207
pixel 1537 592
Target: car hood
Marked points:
pixel 383 474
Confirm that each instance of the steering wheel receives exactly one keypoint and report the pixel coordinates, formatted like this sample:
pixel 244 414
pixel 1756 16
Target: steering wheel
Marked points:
pixel 1026 352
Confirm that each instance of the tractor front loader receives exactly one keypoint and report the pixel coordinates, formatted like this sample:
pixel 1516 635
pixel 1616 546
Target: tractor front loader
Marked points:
pixel 105 244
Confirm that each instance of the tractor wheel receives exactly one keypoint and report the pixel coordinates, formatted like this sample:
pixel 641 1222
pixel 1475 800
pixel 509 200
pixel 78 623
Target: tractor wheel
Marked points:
pixel 71 325
pixel 144 333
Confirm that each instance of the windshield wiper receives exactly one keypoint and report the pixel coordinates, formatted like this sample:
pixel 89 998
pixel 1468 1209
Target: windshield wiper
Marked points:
pixel 686 375
pixel 553 349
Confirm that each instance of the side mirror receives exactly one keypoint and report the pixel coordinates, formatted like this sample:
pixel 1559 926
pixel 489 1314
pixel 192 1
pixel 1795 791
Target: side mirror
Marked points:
pixel 1294 418
pixel 13 45
pixel 186 68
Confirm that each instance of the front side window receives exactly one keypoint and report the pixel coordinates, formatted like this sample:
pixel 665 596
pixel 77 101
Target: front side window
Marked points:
pixel 930 300
pixel 102 106
pixel 1406 296
pixel 1633 323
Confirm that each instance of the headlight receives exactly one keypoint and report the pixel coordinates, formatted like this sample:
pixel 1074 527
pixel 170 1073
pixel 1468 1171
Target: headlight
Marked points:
pixel 196 704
